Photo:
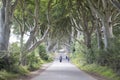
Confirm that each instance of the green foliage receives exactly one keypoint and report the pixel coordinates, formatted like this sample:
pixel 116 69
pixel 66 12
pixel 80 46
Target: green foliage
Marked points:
pixel 114 55
pixel 109 57
pixel 80 61
pixel 9 64
pixel 34 66
pixel 15 72
pixel 42 53
pixel 8 61
pixel 34 61
pixel 104 71
pixel 21 70
pixel 4 75
pixel 37 58
pixel 116 30
pixel 14 52
pixel 100 61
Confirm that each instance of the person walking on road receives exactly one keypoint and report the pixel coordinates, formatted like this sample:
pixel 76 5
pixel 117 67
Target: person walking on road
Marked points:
pixel 60 58
pixel 67 58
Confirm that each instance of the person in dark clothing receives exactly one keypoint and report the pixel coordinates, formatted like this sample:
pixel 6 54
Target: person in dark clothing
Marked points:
pixel 66 57
pixel 60 58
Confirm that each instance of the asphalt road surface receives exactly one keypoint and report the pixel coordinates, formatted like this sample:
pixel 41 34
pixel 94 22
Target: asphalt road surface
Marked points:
pixel 63 71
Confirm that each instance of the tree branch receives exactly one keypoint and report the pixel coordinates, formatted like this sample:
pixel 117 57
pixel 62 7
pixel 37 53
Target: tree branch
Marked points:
pixel 33 30
pixel 116 4
pixel 46 32
pixel 14 5
pixel 94 9
pixel 39 41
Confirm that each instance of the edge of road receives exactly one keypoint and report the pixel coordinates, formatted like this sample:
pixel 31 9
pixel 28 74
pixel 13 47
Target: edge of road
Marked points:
pixel 46 65
pixel 36 72
pixel 94 75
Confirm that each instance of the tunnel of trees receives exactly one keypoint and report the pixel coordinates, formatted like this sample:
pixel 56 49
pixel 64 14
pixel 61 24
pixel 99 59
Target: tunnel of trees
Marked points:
pixel 88 27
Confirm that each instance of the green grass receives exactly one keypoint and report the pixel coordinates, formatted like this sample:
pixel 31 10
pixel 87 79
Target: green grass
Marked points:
pixel 94 68
pixel 4 75
pixel 14 73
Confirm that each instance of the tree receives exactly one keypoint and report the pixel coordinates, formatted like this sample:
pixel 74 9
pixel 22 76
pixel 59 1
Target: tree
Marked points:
pixel 32 23
pixel 84 21
pixel 104 10
pixel 6 12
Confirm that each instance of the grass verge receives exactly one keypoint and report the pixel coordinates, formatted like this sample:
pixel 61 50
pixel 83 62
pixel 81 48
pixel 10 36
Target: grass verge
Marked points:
pixel 4 75
pixel 14 73
pixel 100 70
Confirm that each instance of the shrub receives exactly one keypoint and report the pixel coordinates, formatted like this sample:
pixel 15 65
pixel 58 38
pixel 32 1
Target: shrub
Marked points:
pixel 7 62
pixel 103 62
pixel 34 62
pixel 34 66
pixel 4 75
pixel 22 70
pixel 42 53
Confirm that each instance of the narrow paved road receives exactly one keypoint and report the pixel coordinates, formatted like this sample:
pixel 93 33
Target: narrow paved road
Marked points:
pixel 63 71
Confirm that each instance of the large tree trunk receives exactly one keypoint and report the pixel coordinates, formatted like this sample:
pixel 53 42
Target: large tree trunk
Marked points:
pixel 30 45
pixel 105 17
pixel 107 30
pixel 5 21
pixel 87 39
pixel 4 26
pixel 21 49
pixel 99 35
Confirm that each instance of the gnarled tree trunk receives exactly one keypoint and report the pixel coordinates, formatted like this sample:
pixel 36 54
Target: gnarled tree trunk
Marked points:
pixel 5 20
pixel 99 34
pixel 4 26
